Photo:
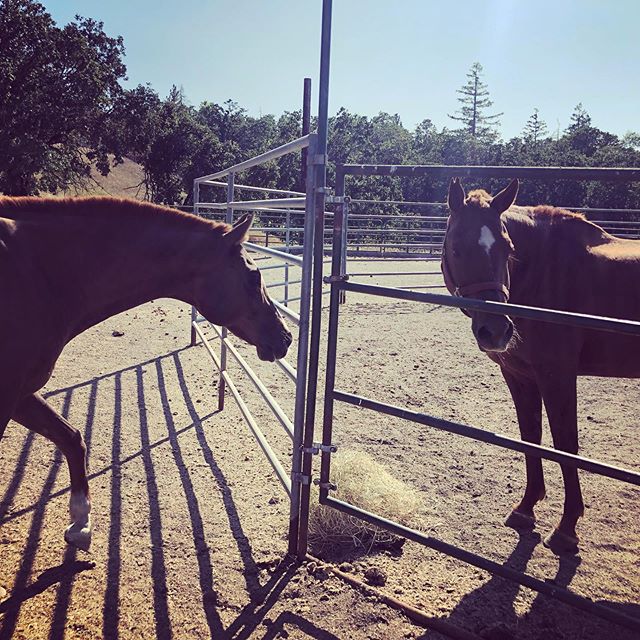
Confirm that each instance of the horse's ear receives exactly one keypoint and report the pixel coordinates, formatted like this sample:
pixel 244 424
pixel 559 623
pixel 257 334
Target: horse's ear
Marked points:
pixel 455 198
pixel 503 200
pixel 239 231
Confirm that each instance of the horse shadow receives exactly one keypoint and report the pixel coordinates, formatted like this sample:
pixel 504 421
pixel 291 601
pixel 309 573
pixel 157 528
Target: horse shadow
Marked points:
pixel 262 596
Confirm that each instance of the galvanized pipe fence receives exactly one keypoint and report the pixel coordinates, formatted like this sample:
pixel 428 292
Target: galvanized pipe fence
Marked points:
pixel 301 428
pixel 340 283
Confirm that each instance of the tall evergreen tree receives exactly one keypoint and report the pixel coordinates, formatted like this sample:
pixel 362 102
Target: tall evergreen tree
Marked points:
pixel 579 119
pixel 535 129
pixel 474 98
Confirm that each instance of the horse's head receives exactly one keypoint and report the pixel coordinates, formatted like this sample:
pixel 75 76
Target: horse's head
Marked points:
pixel 475 258
pixel 234 296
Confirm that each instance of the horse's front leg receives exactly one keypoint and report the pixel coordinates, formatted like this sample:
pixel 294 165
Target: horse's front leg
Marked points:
pixel 559 392
pixel 528 402
pixel 35 414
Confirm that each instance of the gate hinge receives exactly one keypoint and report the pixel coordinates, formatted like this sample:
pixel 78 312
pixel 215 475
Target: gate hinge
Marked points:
pixel 301 478
pixel 318 447
pixel 325 485
pixel 331 279
pixel 319 158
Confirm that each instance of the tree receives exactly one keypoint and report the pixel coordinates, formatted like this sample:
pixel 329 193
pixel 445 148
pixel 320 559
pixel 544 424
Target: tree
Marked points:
pixel 535 129
pixel 475 100
pixel 579 119
pixel 56 89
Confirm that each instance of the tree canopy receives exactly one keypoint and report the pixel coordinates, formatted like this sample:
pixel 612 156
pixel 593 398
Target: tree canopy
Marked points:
pixel 62 106
pixel 57 86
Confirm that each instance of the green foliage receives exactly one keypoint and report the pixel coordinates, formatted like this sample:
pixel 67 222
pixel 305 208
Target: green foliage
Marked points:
pixel 57 86
pixel 62 105
pixel 474 98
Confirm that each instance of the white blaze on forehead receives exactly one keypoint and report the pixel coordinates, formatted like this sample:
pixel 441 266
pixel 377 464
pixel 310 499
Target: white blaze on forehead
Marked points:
pixel 486 240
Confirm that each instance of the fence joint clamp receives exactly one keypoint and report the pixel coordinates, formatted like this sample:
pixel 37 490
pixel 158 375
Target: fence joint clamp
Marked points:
pixel 337 199
pixel 331 279
pixel 301 478
pixel 318 447
pixel 329 486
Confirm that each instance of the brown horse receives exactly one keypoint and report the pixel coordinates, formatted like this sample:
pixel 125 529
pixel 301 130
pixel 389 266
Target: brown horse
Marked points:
pixel 66 265
pixel 543 257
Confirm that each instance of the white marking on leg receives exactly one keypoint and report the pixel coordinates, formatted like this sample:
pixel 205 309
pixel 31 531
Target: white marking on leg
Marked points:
pixel 487 239
pixel 78 533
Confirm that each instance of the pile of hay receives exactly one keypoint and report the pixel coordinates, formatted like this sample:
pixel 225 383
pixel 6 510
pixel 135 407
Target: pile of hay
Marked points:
pixel 367 484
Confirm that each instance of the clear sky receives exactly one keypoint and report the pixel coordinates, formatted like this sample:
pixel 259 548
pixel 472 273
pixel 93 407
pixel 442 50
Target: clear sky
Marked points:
pixel 400 56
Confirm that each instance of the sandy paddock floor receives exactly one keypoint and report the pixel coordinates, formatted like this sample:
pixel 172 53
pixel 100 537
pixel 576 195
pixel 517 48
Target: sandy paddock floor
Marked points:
pixel 190 522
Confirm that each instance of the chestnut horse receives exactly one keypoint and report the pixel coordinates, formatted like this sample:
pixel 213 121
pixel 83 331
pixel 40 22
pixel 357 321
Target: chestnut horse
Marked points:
pixel 552 258
pixel 66 265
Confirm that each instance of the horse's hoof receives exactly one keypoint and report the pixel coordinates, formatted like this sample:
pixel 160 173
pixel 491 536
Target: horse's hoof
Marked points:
pixel 562 543
pixel 519 520
pixel 79 535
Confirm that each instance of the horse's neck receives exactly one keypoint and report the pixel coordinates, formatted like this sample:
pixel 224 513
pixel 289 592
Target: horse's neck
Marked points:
pixel 532 251
pixel 106 268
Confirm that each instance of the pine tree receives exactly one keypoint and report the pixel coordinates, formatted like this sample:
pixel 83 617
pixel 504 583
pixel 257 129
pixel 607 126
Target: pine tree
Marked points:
pixel 535 129
pixel 474 99
pixel 580 119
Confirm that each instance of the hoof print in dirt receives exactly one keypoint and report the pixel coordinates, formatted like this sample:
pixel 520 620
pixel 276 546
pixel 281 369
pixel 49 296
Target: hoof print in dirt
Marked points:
pixel 375 577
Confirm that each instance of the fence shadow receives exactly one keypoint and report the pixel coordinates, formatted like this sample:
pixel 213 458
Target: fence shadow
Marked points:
pixel 490 611
pixel 260 597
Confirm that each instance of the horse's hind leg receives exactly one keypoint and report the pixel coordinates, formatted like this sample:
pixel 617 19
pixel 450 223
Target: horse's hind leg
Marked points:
pixel 35 414
pixel 528 402
pixel 560 400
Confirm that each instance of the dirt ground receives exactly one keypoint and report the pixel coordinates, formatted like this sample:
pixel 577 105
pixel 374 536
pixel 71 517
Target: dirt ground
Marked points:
pixel 190 522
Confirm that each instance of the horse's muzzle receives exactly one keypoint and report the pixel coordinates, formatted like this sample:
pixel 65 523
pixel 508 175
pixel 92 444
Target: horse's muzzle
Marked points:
pixel 494 336
pixel 277 349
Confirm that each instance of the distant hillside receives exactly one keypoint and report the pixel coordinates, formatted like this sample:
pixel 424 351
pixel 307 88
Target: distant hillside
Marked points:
pixel 124 181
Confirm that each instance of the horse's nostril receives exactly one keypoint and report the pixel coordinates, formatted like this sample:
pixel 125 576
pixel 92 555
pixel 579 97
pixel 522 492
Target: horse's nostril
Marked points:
pixel 484 334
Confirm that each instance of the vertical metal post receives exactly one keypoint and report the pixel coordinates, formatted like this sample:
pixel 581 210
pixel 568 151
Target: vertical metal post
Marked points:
pixel 306 126
pixel 332 346
pixel 319 164
pixel 224 333
pixel 340 183
pixel 302 361
pixel 194 311
pixel 286 264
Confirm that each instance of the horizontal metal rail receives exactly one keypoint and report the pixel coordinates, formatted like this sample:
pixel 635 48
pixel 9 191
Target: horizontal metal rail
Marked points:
pixel 283 284
pixel 399 245
pixel 424 286
pixel 288 369
pixel 539 451
pixel 264 392
pixel 289 147
pixel 326 292
pixel 396 273
pixel 570 318
pixel 247 187
pixel 292 315
pixel 274 203
pixel 274 253
pixel 257 433
pixel 608 174
pixel 259 436
pixel 502 570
